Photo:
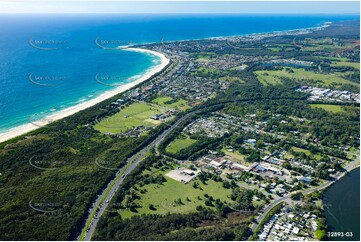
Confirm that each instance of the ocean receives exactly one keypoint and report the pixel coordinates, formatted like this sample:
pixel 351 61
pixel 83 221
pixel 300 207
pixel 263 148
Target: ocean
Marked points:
pixel 51 62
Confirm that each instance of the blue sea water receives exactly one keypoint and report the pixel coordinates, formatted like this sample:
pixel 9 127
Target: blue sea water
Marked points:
pixel 60 70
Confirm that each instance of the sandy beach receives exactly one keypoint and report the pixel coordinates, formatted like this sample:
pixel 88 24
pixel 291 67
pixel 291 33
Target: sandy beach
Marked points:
pixel 23 129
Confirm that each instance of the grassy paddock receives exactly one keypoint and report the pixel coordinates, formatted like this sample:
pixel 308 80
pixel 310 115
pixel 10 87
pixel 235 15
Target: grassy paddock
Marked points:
pixel 273 77
pixel 346 63
pixel 178 144
pixel 180 104
pixel 329 108
pixel 163 197
pixel 334 58
pixel 307 152
pixel 231 79
pixel 134 115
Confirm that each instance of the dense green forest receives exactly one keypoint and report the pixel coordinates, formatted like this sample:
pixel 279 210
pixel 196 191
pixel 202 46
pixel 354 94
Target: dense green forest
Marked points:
pixel 55 165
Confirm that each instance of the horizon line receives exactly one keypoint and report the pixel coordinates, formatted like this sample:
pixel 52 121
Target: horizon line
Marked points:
pixel 176 13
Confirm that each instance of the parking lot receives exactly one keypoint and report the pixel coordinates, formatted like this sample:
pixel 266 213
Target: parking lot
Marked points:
pixel 182 175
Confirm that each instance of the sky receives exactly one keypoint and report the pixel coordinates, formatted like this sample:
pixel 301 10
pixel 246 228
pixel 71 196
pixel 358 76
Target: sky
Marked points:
pixel 243 7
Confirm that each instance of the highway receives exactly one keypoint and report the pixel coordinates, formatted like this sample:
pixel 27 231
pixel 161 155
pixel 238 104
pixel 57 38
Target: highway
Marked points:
pixel 133 162
pixel 114 184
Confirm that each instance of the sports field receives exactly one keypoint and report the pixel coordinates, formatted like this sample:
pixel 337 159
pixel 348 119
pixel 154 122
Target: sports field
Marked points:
pixel 132 116
pixel 208 71
pixel 180 104
pixel 200 56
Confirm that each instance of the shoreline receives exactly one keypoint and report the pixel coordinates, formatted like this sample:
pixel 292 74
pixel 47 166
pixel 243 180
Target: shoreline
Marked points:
pixel 25 128
pixel 33 125
pixel 275 32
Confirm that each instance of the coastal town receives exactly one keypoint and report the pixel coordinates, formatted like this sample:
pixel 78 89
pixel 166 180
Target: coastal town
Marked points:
pixel 278 171
pixel 228 138
pixel 288 226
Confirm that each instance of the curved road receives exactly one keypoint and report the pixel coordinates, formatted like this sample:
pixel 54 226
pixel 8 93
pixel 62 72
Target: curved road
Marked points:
pixel 287 198
pixel 101 204
pixel 113 185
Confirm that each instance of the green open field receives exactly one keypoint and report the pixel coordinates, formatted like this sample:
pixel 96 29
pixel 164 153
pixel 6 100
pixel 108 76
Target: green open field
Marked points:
pixel 275 49
pixel 204 56
pixel 329 108
pixel 347 63
pixel 273 77
pixel 307 152
pixel 322 44
pixel 134 115
pixel 178 144
pixel 231 79
pixel 180 104
pixel 243 66
pixel 288 156
pixel 267 78
pixel 163 196
pixel 334 58
pixel 321 47
pixel 319 41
